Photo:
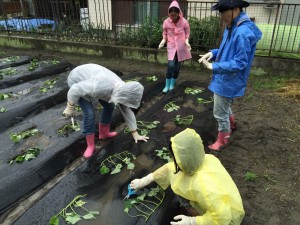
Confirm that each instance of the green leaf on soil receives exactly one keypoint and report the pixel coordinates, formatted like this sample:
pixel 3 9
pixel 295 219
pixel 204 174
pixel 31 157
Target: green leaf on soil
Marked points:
pixel 54 220
pixel 73 219
pixel 130 166
pixel 104 170
pixel 89 216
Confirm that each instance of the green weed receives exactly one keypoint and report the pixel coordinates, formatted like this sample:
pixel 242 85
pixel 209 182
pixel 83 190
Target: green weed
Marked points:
pixel 249 176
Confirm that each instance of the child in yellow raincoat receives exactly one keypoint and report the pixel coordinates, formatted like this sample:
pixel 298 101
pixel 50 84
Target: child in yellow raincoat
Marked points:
pixel 199 178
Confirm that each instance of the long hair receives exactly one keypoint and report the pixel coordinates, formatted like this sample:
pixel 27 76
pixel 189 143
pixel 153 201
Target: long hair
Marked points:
pixel 177 168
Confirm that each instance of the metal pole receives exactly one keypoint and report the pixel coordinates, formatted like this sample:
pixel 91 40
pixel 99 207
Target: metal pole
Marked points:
pixel 274 29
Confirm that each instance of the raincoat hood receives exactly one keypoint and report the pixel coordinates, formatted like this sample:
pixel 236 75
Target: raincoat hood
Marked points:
pixel 175 4
pixel 244 19
pixel 128 94
pixel 188 151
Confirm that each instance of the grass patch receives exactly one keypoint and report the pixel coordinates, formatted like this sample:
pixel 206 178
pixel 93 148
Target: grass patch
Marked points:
pixel 286 38
pixel 262 80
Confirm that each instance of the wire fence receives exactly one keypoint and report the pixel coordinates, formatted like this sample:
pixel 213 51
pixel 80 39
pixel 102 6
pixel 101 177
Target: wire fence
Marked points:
pixel 139 22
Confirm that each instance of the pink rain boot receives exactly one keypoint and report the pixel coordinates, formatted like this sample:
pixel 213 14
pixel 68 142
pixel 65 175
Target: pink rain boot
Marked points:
pixel 232 122
pixel 90 141
pixel 221 142
pixel 104 131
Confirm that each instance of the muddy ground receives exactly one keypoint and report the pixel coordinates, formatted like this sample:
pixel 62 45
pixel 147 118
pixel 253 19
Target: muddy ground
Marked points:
pixel 266 142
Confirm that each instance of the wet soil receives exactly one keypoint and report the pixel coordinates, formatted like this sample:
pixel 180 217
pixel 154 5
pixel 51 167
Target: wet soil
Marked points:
pixel 265 143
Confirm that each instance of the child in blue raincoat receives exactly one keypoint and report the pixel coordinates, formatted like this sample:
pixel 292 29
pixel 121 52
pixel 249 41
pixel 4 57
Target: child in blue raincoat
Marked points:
pixel 232 64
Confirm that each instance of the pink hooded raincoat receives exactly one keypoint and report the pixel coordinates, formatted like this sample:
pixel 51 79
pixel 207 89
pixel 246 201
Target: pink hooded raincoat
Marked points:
pixel 175 35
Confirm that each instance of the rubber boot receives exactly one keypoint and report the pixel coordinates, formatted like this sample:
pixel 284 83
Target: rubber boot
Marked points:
pixel 104 131
pixel 167 87
pixel 172 84
pixel 90 141
pixel 221 141
pixel 232 122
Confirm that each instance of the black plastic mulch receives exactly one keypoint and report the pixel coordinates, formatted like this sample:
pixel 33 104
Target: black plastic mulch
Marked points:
pixel 14 61
pixel 23 74
pixel 29 99
pixel 58 151
pixel 105 193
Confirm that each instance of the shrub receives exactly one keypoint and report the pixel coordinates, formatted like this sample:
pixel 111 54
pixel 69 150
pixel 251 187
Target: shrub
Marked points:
pixel 149 34
pixel 204 32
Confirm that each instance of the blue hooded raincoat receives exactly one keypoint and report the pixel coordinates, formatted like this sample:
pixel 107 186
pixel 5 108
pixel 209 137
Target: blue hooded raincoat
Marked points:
pixel 234 58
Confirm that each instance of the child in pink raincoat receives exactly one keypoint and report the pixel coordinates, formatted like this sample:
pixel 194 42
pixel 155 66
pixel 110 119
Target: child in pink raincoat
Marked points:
pixel 176 32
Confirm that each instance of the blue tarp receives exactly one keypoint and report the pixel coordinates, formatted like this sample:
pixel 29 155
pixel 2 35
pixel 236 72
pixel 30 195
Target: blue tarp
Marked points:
pixel 25 24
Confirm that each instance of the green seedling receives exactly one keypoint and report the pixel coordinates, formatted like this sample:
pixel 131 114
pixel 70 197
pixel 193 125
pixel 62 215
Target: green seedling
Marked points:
pixel 144 205
pixel 77 108
pixel 203 101
pixel 70 215
pixel 153 78
pixel 170 107
pixel 9 71
pixel 192 91
pixel 34 64
pixel 68 128
pixel 164 154
pixel 12 58
pixel 143 128
pixel 6 96
pixel 269 178
pixel 28 155
pixel 249 176
pixel 49 84
pixel 3 110
pixel 133 79
pixel 116 161
pixel 183 120
pixel 16 138
pixel 55 61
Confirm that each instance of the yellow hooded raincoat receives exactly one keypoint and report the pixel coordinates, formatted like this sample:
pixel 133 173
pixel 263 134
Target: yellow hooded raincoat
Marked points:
pixel 203 181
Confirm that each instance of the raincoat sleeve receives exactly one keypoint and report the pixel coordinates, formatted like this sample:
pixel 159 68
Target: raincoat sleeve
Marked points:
pixel 129 116
pixel 187 30
pixel 240 60
pixel 215 53
pixel 81 89
pixel 164 31
pixel 162 175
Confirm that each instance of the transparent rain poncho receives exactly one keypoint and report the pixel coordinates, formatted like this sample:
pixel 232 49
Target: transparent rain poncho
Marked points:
pixel 129 94
pixel 202 180
pixel 95 81
pixel 92 81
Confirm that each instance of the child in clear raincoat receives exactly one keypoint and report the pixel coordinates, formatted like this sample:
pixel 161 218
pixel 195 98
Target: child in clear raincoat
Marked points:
pixel 176 33
pixel 94 82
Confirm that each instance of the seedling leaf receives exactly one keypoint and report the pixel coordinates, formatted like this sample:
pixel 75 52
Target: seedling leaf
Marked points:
pixel 117 169
pixel 54 220
pixel 89 216
pixel 104 170
pixel 73 219
pixel 130 166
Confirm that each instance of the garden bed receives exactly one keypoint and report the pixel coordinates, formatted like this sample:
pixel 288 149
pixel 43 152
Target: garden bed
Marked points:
pixel 105 193
pixel 41 142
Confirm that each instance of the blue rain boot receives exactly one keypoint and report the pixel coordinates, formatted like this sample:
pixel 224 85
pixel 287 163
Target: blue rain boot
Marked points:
pixel 172 84
pixel 167 87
